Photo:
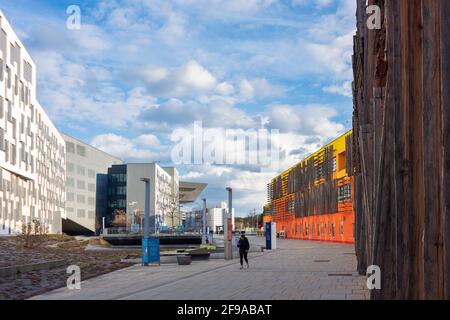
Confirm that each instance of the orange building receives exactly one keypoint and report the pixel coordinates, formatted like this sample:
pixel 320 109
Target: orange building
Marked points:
pixel 313 200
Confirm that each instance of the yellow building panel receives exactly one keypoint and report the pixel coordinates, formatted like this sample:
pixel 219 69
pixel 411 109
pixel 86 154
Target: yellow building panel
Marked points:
pixel 339 147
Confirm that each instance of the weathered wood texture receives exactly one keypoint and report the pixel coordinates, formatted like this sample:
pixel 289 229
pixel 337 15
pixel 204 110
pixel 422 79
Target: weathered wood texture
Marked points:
pixel 401 147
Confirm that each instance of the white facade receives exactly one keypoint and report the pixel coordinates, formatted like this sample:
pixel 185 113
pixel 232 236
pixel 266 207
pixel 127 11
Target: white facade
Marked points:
pixel 83 163
pixel 215 216
pixel 32 155
pixel 164 184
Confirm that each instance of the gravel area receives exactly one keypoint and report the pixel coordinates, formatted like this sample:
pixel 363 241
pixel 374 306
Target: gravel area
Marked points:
pixel 26 285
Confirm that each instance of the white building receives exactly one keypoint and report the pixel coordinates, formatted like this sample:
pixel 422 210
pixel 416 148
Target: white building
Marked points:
pixel 125 191
pixel 32 155
pixel 215 216
pixel 83 163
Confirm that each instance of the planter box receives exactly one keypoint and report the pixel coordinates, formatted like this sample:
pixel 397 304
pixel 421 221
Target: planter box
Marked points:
pixel 184 260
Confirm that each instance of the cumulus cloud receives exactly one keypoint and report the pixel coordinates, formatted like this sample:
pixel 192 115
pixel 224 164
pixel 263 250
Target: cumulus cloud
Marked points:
pixel 305 119
pixel 216 112
pixel 225 88
pixel 344 89
pixel 187 80
pixel 259 88
pixel 142 148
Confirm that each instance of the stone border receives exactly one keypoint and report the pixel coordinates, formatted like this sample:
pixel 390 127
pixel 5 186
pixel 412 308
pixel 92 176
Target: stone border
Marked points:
pixel 11 271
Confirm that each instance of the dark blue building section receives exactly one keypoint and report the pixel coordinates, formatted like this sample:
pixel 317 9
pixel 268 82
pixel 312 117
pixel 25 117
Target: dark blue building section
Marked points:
pixel 111 196
pixel 116 193
pixel 268 236
pixel 101 196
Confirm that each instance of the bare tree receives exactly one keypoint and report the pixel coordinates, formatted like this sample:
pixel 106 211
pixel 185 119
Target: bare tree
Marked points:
pixel 252 219
pixel 33 233
pixel 171 207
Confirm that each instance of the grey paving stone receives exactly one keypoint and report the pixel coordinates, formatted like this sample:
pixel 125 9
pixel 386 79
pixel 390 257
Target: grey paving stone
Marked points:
pixel 287 273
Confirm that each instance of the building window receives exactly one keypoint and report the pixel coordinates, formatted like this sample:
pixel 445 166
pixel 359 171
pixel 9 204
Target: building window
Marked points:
pixel 91 214
pixel 91 174
pixel 70 196
pixel 81 170
pixel 81 198
pixel 70 147
pixel 291 205
pixel 70 167
pixel 81 213
pixel 81 185
pixel 121 190
pixel 91 187
pixel 91 201
pixel 345 193
pixel 70 182
pixel 81 151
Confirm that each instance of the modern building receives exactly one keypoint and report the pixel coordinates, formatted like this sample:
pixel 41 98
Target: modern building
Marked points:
pixel 83 163
pixel 214 218
pixel 122 193
pixel 32 152
pixel 314 199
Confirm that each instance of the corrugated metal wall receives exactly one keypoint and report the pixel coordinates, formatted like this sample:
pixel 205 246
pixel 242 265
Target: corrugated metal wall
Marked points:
pixel 401 147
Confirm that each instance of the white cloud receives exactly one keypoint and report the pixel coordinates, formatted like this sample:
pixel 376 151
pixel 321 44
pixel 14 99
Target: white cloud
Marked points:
pixel 344 89
pixel 187 80
pixel 174 29
pixel 225 88
pixel 316 3
pixel 142 148
pixel 259 88
pixel 215 112
pixel 308 120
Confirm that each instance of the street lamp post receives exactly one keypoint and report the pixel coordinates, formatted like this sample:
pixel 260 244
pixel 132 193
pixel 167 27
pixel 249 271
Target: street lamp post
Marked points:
pixel 228 227
pixel 204 222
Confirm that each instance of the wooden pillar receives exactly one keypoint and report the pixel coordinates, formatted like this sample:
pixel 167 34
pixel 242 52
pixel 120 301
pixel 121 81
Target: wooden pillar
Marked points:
pixel 432 125
pixel 445 90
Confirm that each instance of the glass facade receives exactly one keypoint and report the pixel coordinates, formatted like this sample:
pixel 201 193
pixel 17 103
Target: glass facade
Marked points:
pixel 116 192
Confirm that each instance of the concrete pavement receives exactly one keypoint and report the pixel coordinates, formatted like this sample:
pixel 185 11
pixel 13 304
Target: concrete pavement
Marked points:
pixel 296 270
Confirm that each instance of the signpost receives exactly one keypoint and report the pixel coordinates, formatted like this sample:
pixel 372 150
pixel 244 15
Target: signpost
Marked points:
pixel 271 235
pixel 150 246
pixel 204 235
pixel 228 227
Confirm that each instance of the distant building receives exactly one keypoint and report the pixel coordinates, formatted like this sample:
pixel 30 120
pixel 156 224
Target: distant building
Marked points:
pixel 32 155
pixel 83 163
pixel 313 200
pixel 214 218
pixel 123 192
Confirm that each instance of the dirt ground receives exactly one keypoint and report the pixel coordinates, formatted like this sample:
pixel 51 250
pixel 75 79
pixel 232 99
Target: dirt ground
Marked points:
pixel 26 285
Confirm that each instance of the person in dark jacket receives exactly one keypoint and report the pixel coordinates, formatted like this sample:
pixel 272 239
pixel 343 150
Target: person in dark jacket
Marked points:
pixel 243 246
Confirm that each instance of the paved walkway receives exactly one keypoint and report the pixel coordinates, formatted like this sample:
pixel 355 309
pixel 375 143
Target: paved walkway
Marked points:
pixel 296 270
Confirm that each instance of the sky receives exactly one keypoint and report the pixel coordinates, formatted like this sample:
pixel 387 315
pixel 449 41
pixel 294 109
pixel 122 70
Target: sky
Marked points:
pixel 139 70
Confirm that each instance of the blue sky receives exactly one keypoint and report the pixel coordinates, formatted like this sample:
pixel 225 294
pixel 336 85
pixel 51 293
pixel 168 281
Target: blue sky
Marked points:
pixel 139 69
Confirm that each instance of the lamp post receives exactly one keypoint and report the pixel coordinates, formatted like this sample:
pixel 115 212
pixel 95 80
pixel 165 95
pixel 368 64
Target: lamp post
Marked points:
pixel 228 227
pixel 204 222
pixel 133 217
pixel 150 247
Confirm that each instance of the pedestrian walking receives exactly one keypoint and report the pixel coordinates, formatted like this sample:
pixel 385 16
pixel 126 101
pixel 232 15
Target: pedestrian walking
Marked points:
pixel 243 246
